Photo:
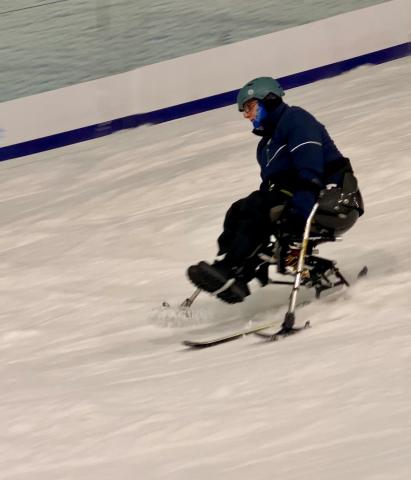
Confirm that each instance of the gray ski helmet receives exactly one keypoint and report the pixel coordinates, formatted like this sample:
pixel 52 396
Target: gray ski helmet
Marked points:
pixel 258 88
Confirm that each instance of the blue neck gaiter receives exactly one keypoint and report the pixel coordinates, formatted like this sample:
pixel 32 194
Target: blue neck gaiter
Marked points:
pixel 261 115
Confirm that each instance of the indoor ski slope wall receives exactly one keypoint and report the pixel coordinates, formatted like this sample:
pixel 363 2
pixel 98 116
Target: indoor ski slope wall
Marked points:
pixel 203 81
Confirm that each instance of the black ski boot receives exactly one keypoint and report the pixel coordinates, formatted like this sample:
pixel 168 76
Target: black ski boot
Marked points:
pixel 236 292
pixel 209 277
pixel 253 268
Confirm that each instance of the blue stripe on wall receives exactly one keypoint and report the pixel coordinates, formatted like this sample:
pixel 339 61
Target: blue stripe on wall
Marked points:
pixel 196 106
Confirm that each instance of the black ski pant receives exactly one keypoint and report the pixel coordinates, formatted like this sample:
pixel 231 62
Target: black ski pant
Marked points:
pixel 247 227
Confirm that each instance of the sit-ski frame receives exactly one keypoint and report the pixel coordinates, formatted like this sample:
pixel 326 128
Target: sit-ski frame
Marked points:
pixel 289 319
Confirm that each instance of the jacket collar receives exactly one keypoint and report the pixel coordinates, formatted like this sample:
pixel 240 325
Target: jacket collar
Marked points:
pixel 270 123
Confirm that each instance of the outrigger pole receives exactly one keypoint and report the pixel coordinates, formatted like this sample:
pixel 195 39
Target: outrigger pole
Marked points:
pixel 289 319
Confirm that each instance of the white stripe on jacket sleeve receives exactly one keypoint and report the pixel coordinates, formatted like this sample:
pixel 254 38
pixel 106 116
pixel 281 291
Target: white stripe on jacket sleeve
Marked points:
pixel 305 143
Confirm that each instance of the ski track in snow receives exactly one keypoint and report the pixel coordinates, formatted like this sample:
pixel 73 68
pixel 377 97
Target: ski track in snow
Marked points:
pixel 95 381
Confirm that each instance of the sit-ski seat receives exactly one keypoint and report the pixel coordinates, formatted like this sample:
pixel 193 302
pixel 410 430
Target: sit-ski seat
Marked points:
pixel 338 208
pixel 336 211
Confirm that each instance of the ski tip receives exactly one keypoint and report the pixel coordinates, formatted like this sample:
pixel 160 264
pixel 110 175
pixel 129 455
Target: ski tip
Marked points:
pixel 194 344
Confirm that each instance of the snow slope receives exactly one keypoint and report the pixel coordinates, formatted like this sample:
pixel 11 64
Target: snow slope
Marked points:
pixel 95 381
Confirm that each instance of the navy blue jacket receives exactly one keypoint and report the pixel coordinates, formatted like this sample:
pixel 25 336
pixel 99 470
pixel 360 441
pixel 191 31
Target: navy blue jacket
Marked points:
pixel 297 155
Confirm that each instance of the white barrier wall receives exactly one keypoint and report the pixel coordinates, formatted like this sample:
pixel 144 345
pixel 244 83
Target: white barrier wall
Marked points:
pixel 279 54
pixel 203 74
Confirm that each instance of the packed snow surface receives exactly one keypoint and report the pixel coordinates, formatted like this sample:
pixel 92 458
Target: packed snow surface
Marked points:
pixel 96 384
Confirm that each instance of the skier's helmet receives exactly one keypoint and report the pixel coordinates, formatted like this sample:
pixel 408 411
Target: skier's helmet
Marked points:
pixel 258 88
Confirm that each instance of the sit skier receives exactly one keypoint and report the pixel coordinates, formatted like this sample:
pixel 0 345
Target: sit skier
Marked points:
pixel 298 160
